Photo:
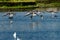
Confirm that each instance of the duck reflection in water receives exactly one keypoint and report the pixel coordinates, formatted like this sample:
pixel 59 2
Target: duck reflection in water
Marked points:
pixel 34 26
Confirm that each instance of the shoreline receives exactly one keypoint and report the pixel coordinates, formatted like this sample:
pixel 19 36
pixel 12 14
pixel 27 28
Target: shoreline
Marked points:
pixel 28 9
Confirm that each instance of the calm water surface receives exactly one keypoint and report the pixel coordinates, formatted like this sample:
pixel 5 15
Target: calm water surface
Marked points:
pixel 30 29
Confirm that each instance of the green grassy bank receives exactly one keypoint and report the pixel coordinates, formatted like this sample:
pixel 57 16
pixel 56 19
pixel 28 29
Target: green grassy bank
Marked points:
pixel 48 5
pixel 35 6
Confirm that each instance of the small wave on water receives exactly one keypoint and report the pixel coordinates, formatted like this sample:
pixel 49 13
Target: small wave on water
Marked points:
pixel 24 28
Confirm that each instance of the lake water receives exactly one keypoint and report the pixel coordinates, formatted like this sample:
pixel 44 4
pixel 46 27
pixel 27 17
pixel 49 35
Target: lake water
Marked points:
pixel 47 28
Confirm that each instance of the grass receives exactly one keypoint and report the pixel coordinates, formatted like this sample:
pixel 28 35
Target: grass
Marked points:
pixel 48 5
pixel 18 1
pixel 18 6
pixel 31 6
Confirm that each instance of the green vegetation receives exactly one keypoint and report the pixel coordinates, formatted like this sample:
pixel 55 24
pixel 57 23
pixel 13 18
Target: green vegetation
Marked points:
pixel 29 3
pixel 48 5
pixel 17 0
pixel 17 6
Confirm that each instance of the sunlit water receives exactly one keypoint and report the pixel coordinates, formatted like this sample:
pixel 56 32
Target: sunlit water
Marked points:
pixel 47 28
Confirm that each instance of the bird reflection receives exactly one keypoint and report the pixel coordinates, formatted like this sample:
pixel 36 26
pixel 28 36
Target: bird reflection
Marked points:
pixel 34 25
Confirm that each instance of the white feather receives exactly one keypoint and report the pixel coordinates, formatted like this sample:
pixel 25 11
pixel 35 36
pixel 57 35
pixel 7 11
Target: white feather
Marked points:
pixel 14 35
pixel 18 39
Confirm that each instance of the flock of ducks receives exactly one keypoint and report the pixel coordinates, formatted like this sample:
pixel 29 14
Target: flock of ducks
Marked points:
pixel 31 13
